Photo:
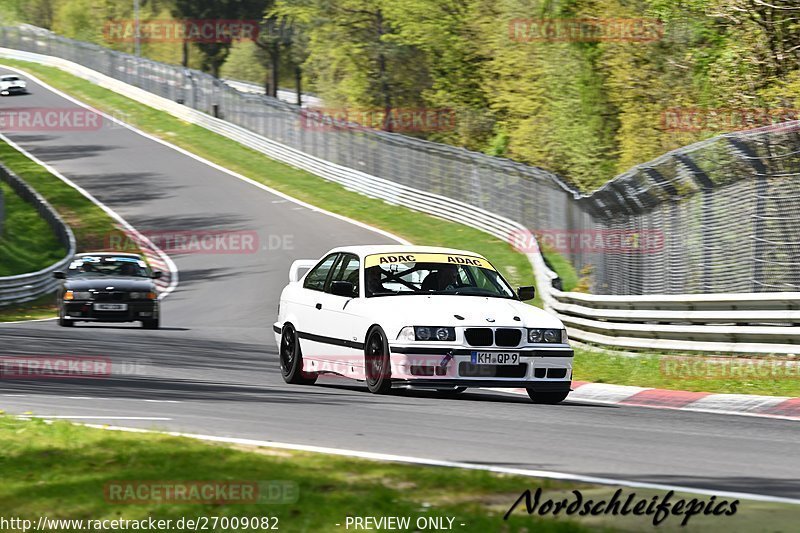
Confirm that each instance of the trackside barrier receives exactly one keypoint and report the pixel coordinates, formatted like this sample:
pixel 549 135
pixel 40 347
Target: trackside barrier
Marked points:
pixel 751 323
pixel 27 287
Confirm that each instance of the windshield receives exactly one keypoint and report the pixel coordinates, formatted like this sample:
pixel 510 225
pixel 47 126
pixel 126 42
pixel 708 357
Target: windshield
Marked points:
pixel 389 275
pixel 108 266
pixel 10 78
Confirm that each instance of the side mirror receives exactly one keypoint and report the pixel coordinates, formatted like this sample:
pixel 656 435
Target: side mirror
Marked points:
pixel 526 293
pixel 156 275
pixel 343 288
pixel 59 275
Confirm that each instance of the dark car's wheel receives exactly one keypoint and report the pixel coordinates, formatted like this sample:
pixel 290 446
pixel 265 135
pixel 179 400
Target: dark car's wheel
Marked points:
pixel 547 397
pixel 65 322
pixel 291 358
pixel 154 323
pixel 377 365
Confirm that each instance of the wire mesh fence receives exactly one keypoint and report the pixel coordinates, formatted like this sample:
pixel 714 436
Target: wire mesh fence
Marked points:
pixel 722 215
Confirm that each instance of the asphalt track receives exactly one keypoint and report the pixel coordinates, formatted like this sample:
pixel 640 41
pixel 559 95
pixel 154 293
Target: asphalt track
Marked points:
pixel 213 368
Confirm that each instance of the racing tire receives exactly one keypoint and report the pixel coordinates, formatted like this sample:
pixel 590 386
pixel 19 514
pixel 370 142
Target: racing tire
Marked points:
pixel 65 322
pixel 377 363
pixel 291 359
pixel 154 323
pixel 549 398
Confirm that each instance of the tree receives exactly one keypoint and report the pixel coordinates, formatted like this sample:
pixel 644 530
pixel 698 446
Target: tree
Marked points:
pixel 215 53
pixel 353 58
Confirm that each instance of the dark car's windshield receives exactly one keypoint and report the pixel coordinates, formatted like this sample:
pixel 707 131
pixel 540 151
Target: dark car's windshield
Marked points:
pixel 388 275
pixel 108 266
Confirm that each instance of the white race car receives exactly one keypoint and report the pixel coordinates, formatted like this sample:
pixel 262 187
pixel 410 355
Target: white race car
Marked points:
pixel 12 84
pixel 418 317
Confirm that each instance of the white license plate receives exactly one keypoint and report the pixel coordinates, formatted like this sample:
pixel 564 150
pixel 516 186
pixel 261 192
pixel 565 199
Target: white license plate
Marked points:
pixel 110 307
pixel 495 358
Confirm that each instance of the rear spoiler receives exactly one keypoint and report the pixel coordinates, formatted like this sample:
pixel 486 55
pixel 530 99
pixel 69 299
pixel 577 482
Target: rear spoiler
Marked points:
pixel 300 264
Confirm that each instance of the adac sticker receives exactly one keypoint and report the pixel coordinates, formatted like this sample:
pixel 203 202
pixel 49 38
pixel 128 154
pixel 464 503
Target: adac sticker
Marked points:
pixel 388 259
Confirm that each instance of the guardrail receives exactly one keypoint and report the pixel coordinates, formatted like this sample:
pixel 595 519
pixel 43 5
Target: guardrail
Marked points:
pixel 289 97
pixel 30 286
pixel 755 323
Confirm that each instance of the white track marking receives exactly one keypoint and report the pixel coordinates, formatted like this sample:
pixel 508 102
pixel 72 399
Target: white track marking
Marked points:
pixel 27 321
pixel 49 397
pixel 616 402
pixel 548 474
pixel 82 417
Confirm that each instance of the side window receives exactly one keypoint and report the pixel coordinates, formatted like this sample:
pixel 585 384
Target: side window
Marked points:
pixel 315 280
pixel 347 270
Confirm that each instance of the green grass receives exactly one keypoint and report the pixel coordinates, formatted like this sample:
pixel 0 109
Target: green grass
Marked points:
pixel 700 373
pixel 44 307
pixel 561 266
pixel 27 243
pixel 59 470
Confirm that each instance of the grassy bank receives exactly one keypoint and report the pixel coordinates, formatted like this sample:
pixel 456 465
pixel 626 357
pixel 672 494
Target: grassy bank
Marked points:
pixel 770 376
pixel 27 243
pixel 63 471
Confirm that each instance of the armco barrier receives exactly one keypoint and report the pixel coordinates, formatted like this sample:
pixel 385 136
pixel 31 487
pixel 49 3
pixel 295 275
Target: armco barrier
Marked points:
pixel 590 318
pixel 27 287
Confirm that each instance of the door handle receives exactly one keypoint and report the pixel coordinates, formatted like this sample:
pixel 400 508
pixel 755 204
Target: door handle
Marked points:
pixel 319 306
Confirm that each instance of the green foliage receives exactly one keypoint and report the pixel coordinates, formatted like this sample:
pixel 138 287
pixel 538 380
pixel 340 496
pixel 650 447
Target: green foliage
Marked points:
pixel 244 63
pixel 587 110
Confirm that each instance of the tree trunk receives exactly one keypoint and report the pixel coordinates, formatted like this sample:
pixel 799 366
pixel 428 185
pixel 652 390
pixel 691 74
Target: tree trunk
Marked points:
pixel 274 56
pixel 298 84
pixel 384 84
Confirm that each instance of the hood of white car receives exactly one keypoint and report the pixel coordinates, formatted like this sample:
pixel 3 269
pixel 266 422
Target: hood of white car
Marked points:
pixel 441 310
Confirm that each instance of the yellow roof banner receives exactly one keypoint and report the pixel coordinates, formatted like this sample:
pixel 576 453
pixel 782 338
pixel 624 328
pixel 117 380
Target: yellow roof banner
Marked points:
pixel 411 257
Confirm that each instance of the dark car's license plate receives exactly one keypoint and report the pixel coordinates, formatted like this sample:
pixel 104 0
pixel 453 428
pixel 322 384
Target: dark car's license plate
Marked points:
pixel 110 307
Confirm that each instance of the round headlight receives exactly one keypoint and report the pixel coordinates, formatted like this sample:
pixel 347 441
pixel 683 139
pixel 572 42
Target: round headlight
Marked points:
pixel 535 335
pixel 552 335
pixel 423 334
pixel 442 334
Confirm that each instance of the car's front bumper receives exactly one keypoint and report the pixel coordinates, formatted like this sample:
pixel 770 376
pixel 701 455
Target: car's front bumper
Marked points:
pixel 14 90
pixel 452 366
pixel 136 310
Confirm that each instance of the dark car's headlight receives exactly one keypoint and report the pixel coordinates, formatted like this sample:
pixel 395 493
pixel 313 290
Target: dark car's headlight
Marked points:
pixel 427 333
pixel 77 295
pixel 551 336
pixel 143 295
